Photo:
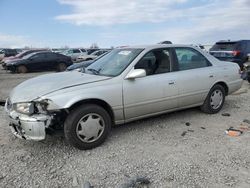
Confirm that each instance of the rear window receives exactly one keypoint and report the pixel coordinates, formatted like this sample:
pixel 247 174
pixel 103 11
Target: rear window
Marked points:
pixel 226 46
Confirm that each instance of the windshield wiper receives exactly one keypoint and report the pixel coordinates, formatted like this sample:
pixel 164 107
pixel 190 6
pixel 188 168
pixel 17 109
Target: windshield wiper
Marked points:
pixel 96 72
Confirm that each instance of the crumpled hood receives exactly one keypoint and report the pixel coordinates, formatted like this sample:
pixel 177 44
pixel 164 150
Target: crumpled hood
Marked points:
pixel 41 85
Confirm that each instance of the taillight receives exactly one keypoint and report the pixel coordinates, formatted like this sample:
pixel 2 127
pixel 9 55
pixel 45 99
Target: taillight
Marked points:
pixel 236 53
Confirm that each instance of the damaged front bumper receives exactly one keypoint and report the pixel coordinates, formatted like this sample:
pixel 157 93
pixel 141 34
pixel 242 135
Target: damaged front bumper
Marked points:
pixel 27 127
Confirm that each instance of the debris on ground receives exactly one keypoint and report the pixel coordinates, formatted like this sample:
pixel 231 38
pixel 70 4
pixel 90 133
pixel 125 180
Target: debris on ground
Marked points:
pixel 203 128
pixel 187 124
pixel 246 121
pixel 74 182
pixel 226 114
pixel 233 132
pixel 190 130
pixel 87 185
pixel 184 133
pixel 136 182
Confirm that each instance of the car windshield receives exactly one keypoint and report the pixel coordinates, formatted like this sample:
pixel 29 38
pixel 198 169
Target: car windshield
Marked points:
pixel 114 62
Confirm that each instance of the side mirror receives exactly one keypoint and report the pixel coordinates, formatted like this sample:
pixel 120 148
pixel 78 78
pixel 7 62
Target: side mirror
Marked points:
pixel 136 73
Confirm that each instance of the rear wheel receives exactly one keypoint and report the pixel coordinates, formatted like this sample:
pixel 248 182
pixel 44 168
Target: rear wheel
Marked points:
pixel 61 67
pixel 21 69
pixel 215 100
pixel 87 126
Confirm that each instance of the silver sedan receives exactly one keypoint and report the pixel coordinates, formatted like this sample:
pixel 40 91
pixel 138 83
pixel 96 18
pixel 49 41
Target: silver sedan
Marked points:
pixel 125 85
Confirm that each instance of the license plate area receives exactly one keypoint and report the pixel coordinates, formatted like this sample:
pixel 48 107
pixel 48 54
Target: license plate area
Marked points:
pixel 17 130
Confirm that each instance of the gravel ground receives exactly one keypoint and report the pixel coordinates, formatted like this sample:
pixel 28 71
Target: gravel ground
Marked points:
pixel 163 149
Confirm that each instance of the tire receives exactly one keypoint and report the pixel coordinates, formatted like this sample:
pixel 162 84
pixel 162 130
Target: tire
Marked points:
pixel 21 69
pixel 88 59
pixel 95 120
pixel 217 93
pixel 61 67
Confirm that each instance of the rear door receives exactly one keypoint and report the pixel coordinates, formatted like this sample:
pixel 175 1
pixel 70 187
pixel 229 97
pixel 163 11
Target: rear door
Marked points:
pixel 195 76
pixel 36 62
pixel 50 61
pixel 154 93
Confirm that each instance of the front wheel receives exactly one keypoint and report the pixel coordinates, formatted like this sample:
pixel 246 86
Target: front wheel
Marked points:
pixel 87 126
pixel 21 69
pixel 215 100
pixel 61 67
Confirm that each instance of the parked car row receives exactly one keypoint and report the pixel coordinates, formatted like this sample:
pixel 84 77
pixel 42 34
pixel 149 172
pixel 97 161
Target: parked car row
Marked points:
pixel 123 85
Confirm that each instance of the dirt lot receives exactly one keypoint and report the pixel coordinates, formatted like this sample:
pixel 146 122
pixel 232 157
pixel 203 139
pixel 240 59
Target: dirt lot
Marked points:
pixel 163 148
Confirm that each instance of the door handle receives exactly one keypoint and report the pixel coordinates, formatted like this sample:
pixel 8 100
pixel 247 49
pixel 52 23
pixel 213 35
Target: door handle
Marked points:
pixel 211 76
pixel 171 83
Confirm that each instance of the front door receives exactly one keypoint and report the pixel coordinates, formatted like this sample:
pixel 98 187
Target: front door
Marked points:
pixel 154 93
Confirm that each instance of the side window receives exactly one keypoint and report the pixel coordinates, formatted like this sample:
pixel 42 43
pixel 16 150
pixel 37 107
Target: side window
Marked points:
pixel 51 56
pixel 83 50
pixel 99 53
pixel 189 58
pixel 38 56
pixel 155 62
pixel 76 51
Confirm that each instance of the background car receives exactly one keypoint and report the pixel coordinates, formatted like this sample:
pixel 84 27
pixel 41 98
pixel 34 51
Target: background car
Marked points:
pixel 18 56
pixel 83 64
pixel 234 51
pixel 92 56
pixel 75 53
pixel 91 50
pixel 7 53
pixel 40 61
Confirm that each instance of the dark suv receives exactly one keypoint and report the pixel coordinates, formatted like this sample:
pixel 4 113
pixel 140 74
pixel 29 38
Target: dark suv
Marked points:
pixel 234 51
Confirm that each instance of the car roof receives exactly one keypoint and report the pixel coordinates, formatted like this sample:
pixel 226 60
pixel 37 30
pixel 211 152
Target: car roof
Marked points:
pixel 154 46
pixel 231 41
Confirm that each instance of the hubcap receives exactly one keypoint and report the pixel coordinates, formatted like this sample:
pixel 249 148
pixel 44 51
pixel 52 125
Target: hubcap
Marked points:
pixel 62 67
pixel 90 128
pixel 216 99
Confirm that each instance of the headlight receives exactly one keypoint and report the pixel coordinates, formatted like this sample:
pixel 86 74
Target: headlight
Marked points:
pixel 24 108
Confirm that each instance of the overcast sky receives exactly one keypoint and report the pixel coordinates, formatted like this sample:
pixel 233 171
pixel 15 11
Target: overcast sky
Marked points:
pixel 56 23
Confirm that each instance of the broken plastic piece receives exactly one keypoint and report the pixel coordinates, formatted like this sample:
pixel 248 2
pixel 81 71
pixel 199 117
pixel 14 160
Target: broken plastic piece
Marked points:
pixel 226 114
pixel 233 132
pixel 136 182
pixel 184 133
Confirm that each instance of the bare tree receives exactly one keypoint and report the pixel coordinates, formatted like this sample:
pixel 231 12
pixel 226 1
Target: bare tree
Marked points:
pixel 94 45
